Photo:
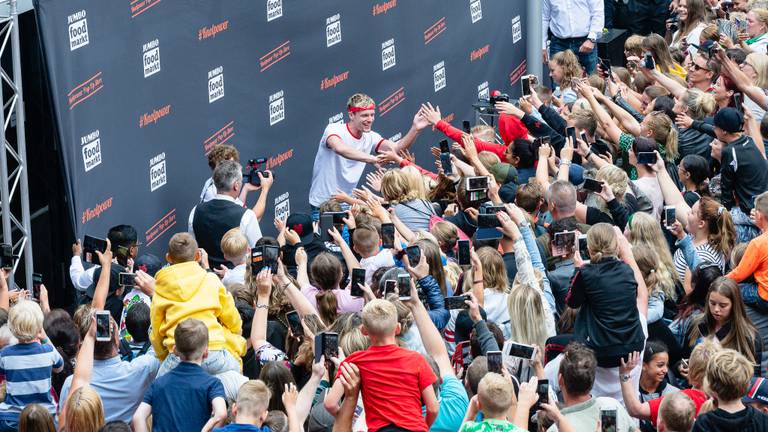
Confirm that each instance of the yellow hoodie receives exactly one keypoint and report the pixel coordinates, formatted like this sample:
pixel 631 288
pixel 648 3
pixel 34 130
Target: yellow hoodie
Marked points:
pixel 187 291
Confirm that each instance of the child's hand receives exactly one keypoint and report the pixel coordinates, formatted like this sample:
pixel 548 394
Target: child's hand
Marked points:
pixel 350 379
pixel 527 396
pixel 290 394
pixel 145 282
pixel 292 237
pixel 301 257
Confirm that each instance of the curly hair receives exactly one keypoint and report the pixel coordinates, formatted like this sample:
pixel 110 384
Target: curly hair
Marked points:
pixel 222 152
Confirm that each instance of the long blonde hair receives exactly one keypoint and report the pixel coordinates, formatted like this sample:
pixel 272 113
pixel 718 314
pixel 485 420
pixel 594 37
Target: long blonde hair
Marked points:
pixel 657 278
pixel 664 133
pixel 645 230
pixel 419 183
pixel 85 411
pixel 759 63
pixel 568 61
pixel 527 320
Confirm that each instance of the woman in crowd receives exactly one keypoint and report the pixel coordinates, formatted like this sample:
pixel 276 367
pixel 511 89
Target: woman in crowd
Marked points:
pixel 692 18
pixel 693 171
pixel 653 379
pixel 495 287
pixel 329 298
pixel 413 211
pixel 657 46
pixel 644 230
pixel 563 68
pixel 658 279
pixel 757 31
pixel 694 105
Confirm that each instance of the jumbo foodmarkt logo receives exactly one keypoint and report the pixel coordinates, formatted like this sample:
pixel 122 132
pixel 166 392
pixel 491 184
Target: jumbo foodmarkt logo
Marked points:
pixel 482 91
pixel 388 58
pixel 476 10
pixel 517 30
pixel 215 84
pixel 438 72
pixel 333 30
pixel 283 206
pixel 151 57
pixel 274 9
pixel 336 118
pixel 276 108
pixel 78 30
pixel 158 176
pixel 91 150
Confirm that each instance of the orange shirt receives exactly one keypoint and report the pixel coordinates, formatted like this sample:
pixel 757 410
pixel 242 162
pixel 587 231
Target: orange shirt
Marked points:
pixel 755 262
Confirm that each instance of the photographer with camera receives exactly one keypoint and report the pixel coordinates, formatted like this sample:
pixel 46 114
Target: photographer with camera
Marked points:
pixel 210 220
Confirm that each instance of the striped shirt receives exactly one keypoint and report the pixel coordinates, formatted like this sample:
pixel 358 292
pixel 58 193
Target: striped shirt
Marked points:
pixel 706 253
pixel 27 368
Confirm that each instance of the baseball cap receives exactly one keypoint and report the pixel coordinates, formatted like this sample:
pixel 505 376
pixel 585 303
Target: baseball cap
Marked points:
pixel 729 120
pixel 149 264
pixel 504 173
pixel 302 224
pixel 758 391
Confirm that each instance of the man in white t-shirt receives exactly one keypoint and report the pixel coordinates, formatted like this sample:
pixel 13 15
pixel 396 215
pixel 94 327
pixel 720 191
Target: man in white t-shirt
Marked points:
pixel 344 149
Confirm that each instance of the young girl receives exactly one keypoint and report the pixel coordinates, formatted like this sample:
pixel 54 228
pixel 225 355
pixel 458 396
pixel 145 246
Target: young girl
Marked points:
pixel 325 293
pixel 659 281
pixel 653 382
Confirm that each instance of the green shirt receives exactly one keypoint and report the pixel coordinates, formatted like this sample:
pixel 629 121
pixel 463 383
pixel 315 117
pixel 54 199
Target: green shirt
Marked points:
pixel 490 425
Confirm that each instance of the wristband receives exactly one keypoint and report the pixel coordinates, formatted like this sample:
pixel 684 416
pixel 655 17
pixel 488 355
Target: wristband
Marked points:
pixel 565 162
pixel 478 281
pixel 589 153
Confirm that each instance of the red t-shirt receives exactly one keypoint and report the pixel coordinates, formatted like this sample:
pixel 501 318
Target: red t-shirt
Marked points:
pixel 392 379
pixel 697 396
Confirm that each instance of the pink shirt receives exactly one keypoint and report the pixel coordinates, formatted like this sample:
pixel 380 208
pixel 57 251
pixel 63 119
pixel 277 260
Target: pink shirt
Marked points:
pixel 344 300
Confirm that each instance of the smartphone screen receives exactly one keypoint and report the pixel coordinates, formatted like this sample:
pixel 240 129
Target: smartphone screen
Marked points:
pixel 389 287
pixel 456 302
pixel 358 279
pixel 37 280
pixel 563 243
pixel 648 62
pixel 521 351
pixel 542 389
pixel 330 345
pixel 669 215
pixel 466 126
pixel 570 132
pixel 294 322
pixel 646 158
pixel 488 221
pixel 592 185
pixel 257 260
pixel 388 235
pixel 102 326
pixel 738 100
pixel 445 161
pixel 404 287
pixel 526 83
pixel 608 420
pixel 477 183
pixel 463 256
pixel 270 257
pixel 289 256
pixel 326 223
pixel 444 148
pixel 127 279
pixel 414 255
pixel 583 250
pixel 494 361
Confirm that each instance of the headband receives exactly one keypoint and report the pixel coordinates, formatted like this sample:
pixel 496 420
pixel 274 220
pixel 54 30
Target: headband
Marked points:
pixel 362 108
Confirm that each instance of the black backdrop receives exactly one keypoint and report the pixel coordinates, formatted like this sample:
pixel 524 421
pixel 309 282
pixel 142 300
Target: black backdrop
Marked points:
pixel 141 89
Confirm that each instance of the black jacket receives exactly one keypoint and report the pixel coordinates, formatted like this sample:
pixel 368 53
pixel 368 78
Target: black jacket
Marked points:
pixel 720 335
pixel 744 174
pixel 608 321
pixel 747 420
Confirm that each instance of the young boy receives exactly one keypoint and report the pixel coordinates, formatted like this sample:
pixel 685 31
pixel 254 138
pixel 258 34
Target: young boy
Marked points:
pixel 755 260
pixel 185 290
pixel 27 366
pixel 396 382
pixel 234 245
pixel 365 241
pixel 728 377
pixel 495 397
pixel 183 398
pixel 137 325
pixel 250 410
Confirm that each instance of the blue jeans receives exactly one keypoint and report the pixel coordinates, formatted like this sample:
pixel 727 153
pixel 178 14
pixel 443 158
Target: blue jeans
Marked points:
pixel 745 229
pixel 750 295
pixel 588 61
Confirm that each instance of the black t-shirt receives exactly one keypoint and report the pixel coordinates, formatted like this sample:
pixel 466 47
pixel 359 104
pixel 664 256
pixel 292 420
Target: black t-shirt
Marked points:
pixel 746 420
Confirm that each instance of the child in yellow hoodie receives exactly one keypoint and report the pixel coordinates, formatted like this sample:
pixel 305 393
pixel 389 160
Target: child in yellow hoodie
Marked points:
pixel 185 290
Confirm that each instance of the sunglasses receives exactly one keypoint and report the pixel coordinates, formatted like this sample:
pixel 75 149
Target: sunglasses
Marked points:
pixel 699 68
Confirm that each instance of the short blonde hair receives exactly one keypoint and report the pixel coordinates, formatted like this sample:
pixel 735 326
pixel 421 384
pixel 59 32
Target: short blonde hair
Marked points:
pixel 396 187
pixel 446 234
pixel 699 359
pixel 253 398
pixel 634 44
pixel 182 248
pixel 616 178
pixel 358 100
pixel 484 132
pixel 366 239
pixel 495 394
pixel 488 159
pixel 761 203
pixel 234 245
pixel 380 318
pixel 25 320
pixel 728 375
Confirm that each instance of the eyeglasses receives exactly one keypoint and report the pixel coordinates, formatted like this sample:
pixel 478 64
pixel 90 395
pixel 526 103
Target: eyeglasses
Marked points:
pixel 699 68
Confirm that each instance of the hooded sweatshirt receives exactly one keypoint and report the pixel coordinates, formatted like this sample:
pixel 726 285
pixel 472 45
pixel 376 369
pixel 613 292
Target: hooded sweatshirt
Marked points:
pixel 184 291
pixel 746 420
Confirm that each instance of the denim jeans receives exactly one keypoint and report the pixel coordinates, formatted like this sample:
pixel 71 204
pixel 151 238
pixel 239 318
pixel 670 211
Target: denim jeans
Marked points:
pixel 217 362
pixel 745 229
pixel 750 295
pixel 588 61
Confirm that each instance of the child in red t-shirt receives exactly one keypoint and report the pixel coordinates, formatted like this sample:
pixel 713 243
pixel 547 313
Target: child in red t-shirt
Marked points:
pixel 395 382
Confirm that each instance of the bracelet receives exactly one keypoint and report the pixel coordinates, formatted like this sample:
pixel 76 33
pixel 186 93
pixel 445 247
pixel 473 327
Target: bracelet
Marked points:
pixel 478 281
pixel 262 306
pixel 565 162
pixel 589 153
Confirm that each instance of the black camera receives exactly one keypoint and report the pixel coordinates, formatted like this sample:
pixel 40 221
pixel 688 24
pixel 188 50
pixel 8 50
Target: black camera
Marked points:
pixel 252 176
pixel 501 97
pixel 674 23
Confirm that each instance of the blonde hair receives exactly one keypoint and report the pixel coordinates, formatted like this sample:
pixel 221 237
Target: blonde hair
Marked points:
pixel 234 245
pixel 84 411
pixel 761 203
pixel 710 32
pixel 634 44
pixel 446 235
pixel 253 398
pixel 759 62
pixel 488 159
pixel 526 312
pixel 568 61
pixel 616 178
pixel 484 132
pixel 418 182
pixel 657 278
pixel 494 271
pixel 698 104
pixel 597 82
pixel 697 362
pixel 645 229
pixel 358 100
pixel 761 14
pixel 452 273
pixel 379 317
pixel 396 187
pixel 728 375
pixel 25 320
pixel 495 394
pixel 353 341
pixel 602 242
pixel 182 247
pixel 664 133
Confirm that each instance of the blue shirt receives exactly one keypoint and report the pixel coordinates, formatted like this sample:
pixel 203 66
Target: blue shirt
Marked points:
pixel 453 405
pixel 27 368
pixel 120 384
pixel 240 427
pixel 182 399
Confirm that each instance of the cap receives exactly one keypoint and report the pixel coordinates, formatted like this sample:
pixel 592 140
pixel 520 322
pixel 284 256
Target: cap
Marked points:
pixel 508 192
pixel 511 128
pixel 758 391
pixel 504 173
pixel 302 224
pixel 464 325
pixel 576 174
pixel 729 120
pixel 149 264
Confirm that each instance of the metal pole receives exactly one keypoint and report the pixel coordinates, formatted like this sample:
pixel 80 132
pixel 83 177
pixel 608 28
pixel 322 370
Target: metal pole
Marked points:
pixel 533 42
pixel 5 205
pixel 21 143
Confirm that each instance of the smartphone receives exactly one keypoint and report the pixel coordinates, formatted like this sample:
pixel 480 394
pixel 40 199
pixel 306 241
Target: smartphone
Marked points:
pixel 463 255
pixel 294 323
pixel 583 250
pixel 444 147
pixel 37 280
pixel 445 162
pixel 526 84
pixel 388 235
pixel 542 389
pixel 103 329
pixel 570 132
pixel 592 185
pixel 257 260
pixel 289 256
pixel 319 348
pixel 389 287
pixel 414 255
pixel 523 351
pixel 478 195
pixel 271 253
pixel 669 215
pixel 456 302
pixel 338 217
pixel 583 137
pixel 326 223
pixel 6 256
pixel 646 158
pixel 404 287
pixel 90 246
pixel 648 62
pixel 330 343
pixel 608 420
pixel 563 243
pixel 738 100
pixel 605 64
pixel 358 279
pixel 465 125
pixel 493 209
pixel 685 362
pixel 600 148
pixel 488 221
pixel 494 360
pixel 127 279
pixel 477 183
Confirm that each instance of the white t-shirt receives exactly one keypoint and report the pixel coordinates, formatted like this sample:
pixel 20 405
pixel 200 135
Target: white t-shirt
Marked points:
pixel 651 188
pixel 234 275
pixel 371 264
pixel 333 172
pixel 691 39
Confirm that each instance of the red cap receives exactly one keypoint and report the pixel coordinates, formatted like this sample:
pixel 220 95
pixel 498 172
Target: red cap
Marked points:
pixel 511 128
pixel 495 93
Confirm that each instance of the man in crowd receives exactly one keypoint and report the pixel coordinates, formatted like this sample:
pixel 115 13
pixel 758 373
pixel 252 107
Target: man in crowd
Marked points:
pixel 575 26
pixel 125 246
